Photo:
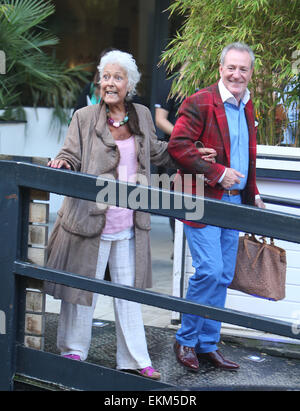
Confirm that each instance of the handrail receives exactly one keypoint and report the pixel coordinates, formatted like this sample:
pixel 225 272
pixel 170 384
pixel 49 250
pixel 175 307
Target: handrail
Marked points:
pixel 19 177
pixel 288 202
pixel 241 217
pixel 280 157
pixel 278 174
pixel 155 299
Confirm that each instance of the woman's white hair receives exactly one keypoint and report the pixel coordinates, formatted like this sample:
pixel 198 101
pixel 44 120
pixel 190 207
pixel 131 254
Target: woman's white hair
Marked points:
pixel 127 62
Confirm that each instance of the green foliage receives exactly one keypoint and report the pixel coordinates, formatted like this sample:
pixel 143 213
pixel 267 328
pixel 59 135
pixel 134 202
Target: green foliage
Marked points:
pixel 33 76
pixel 270 27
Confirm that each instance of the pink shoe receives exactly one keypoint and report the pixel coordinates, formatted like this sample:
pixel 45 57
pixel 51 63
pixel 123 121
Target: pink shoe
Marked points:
pixel 72 357
pixel 150 372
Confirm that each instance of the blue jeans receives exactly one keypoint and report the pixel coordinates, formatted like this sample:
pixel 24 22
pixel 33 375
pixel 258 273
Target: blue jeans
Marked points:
pixel 213 251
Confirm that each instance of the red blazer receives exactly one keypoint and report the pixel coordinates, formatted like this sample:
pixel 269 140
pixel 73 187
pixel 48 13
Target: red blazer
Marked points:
pixel 202 118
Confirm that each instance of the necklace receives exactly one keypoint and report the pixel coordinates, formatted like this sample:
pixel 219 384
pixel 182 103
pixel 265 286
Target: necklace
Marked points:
pixel 114 123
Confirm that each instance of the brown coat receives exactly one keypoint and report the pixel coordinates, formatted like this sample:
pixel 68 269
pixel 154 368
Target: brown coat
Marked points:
pixel 90 148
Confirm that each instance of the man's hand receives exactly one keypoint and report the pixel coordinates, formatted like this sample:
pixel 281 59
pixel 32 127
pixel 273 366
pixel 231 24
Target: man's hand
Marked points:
pixel 230 178
pixel 259 203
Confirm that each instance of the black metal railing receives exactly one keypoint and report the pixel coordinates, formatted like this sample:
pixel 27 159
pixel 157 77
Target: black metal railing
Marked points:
pixel 17 178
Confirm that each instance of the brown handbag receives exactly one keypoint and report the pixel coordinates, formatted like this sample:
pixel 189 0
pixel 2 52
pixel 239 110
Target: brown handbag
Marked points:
pixel 260 268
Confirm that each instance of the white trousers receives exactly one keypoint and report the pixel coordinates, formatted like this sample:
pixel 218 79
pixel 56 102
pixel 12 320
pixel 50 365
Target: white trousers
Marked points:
pixel 75 322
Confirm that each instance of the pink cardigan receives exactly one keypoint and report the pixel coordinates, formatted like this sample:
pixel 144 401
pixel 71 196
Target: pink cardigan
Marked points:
pixel 117 218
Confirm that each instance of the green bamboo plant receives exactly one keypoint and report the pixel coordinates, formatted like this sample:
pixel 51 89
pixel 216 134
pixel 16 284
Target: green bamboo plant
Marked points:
pixel 33 76
pixel 270 27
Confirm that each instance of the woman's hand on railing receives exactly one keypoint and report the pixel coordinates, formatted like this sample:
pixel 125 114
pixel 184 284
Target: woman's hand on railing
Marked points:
pixel 59 164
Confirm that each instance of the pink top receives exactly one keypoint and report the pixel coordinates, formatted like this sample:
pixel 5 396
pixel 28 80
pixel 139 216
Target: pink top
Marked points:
pixel 117 218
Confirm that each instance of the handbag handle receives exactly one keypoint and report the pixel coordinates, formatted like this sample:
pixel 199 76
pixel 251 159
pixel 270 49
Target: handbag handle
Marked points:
pixel 258 254
pixel 263 244
pixel 263 238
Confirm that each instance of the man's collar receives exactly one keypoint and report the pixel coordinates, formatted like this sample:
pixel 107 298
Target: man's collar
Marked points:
pixel 226 96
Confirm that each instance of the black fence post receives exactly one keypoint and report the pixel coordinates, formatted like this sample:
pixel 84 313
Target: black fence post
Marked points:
pixel 9 206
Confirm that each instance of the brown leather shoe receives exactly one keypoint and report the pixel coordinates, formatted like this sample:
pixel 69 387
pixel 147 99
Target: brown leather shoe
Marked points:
pixel 218 360
pixel 186 356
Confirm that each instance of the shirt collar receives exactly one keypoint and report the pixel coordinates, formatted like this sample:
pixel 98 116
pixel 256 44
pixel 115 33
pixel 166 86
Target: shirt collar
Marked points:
pixel 227 97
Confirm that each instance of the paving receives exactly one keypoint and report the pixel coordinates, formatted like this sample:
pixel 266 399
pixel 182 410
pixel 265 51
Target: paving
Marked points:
pixel 258 370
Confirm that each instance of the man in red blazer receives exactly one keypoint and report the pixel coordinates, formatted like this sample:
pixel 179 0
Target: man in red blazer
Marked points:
pixel 220 117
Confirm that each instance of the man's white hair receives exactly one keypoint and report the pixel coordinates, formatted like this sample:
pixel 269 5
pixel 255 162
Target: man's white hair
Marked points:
pixel 127 62
pixel 240 47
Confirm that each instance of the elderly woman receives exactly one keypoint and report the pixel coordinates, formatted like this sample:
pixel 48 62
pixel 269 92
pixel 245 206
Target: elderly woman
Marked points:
pixel 115 137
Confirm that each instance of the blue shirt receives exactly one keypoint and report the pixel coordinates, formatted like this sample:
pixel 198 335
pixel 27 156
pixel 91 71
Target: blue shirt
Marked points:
pixel 239 140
